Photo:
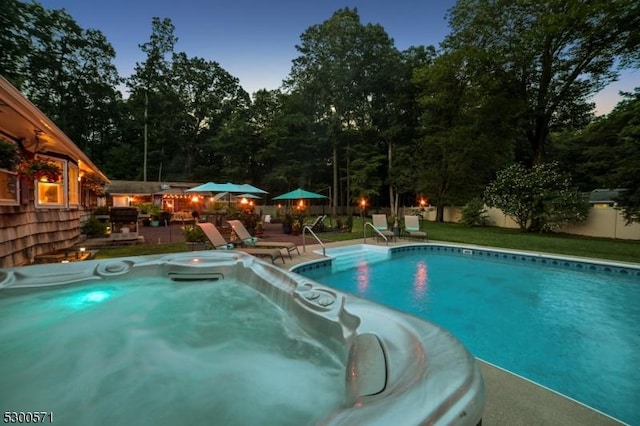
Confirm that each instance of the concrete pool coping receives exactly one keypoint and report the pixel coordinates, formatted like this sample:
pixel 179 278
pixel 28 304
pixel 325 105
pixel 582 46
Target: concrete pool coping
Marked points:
pixel 510 399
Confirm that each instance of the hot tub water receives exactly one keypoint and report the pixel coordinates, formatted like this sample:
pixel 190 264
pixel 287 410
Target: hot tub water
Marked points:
pixel 118 352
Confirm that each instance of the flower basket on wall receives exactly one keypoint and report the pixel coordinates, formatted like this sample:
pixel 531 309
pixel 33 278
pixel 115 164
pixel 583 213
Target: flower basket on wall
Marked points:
pixel 35 168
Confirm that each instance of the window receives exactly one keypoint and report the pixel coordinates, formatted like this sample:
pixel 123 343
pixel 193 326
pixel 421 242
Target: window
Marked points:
pixel 52 194
pixel 74 185
pixel 9 188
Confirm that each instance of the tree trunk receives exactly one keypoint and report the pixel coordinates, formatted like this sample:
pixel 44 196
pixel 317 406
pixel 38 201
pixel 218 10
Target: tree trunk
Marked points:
pixel 538 141
pixel 144 166
pixel 334 208
pixel 348 183
pixel 393 195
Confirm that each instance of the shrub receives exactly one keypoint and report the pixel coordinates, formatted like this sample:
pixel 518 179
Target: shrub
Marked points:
pixel 94 228
pixel 537 199
pixel 474 213
pixel 194 234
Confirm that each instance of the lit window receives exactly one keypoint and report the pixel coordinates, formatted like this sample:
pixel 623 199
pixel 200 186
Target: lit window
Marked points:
pixel 9 188
pixel 52 194
pixel 74 185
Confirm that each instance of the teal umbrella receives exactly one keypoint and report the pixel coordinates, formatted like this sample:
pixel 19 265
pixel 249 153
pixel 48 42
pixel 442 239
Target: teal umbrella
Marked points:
pixel 251 189
pixel 247 195
pixel 226 187
pixel 298 194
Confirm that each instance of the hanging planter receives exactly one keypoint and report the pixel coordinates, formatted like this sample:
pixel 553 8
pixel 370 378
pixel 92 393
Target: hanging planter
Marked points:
pixel 35 168
pixel 9 155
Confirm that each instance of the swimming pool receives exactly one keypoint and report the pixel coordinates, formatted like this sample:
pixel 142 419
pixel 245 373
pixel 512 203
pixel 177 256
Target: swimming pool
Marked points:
pixel 219 337
pixel 566 324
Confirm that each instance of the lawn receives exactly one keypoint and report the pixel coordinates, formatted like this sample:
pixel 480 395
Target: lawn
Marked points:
pixel 600 248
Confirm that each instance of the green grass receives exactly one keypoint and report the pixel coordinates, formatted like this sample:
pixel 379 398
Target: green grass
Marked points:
pixel 574 245
pixel 139 250
pixel 599 248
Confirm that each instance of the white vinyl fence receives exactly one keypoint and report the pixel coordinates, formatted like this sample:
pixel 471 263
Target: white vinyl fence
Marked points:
pixel 605 222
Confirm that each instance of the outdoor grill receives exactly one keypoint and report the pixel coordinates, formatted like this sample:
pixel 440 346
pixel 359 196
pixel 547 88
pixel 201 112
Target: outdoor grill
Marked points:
pixel 124 220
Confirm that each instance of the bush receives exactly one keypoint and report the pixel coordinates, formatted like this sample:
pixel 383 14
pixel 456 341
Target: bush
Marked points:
pixel 94 228
pixel 537 199
pixel 194 234
pixel 474 214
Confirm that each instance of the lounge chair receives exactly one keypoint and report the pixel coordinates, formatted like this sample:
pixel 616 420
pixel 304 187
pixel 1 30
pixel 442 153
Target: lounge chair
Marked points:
pixel 247 240
pixel 412 227
pixel 318 224
pixel 219 243
pixel 380 223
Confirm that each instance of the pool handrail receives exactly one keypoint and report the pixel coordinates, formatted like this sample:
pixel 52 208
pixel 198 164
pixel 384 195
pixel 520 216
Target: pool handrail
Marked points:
pixel 386 240
pixel 304 245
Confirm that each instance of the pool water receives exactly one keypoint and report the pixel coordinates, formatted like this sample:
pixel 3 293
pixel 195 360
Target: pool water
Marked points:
pixel 575 332
pixel 152 351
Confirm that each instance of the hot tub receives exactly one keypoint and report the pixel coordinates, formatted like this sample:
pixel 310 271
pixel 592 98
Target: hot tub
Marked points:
pixel 220 337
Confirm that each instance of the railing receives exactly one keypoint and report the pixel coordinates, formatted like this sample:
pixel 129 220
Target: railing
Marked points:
pixel 304 245
pixel 386 240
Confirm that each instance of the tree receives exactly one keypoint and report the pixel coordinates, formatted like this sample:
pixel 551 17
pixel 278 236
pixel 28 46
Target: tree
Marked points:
pixel 341 67
pixel 151 79
pixel 606 154
pixel 626 172
pixel 552 55
pixel 208 96
pixel 537 199
pixel 396 117
pixel 63 69
pixel 296 157
pixel 15 40
pixel 461 134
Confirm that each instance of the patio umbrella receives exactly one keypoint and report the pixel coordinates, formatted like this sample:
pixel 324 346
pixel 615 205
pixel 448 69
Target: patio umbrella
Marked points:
pixel 298 194
pixel 252 189
pixel 247 195
pixel 226 187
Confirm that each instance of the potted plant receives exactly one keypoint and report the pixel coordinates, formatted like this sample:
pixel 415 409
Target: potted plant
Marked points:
pixel 296 226
pixel 259 229
pixel 154 211
pixel 144 213
pixel 9 155
pixel 194 237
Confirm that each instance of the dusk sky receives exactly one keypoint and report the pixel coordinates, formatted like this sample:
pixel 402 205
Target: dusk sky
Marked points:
pixel 255 40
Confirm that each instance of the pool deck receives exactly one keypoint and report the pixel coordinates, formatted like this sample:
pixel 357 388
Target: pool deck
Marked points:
pixel 511 400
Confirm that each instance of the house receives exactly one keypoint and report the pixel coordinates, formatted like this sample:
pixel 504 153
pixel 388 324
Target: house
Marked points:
pixel 47 184
pixel 604 198
pixel 171 196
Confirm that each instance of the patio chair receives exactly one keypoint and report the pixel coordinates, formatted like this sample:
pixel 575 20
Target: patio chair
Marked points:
pixel 219 243
pixel 412 227
pixel 380 223
pixel 247 240
pixel 318 223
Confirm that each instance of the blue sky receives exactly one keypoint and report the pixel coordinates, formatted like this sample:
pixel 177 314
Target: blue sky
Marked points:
pixel 255 40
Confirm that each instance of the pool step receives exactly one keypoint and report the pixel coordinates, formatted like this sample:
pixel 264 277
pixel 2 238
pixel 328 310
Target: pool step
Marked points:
pixel 350 259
